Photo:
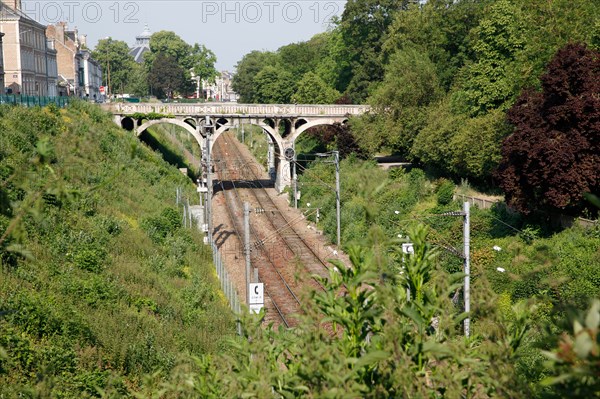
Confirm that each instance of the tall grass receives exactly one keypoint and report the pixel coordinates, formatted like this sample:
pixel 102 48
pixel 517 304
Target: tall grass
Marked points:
pixel 88 299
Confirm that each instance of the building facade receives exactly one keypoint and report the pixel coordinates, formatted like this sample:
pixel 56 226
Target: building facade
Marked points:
pixel 29 59
pixel 68 60
pixel 78 73
pixel 1 63
pixel 220 90
pixel 92 76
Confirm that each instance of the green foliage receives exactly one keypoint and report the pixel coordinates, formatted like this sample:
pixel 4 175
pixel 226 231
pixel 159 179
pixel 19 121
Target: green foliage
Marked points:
pixel 166 76
pixel 445 192
pixel 364 337
pixel 247 69
pixel 196 58
pixel 363 25
pixel 489 83
pixel 127 76
pixel 88 302
pixel 137 82
pixel 410 84
pixel 576 360
pixel 273 85
pixel 311 89
pixel 114 55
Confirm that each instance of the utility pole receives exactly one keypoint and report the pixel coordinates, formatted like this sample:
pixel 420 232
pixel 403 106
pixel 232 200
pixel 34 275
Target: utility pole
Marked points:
pixel 336 156
pixel 295 183
pixel 243 137
pixel 467 261
pixel 208 130
pixel 247 248
pixel 466 215
pixel 336 160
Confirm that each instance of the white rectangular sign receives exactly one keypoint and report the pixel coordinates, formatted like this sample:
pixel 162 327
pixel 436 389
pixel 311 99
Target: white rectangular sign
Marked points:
pixel 256 294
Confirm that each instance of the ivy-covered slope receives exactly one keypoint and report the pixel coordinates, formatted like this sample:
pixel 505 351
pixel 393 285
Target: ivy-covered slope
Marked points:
pixel 100 284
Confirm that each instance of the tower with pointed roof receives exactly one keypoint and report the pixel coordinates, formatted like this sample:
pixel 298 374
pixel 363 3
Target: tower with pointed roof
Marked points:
pixel 142 44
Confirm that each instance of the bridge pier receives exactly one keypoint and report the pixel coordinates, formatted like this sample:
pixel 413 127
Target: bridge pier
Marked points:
pixel 284 174
pixel 271 158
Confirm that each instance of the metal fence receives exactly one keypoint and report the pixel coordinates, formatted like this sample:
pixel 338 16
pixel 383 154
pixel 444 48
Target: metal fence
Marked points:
pixel 33 101
pixel 227 285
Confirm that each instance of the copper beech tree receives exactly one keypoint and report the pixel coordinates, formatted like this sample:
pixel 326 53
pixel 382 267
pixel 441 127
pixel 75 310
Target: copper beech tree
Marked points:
pixel 553 156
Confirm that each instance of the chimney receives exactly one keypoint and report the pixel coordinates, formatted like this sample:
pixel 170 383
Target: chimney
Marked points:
pixel 61 27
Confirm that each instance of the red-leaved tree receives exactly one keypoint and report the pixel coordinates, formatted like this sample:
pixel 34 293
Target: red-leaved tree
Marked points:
pixel 553 156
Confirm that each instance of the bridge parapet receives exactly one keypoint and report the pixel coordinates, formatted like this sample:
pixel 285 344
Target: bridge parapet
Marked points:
pixel 239 110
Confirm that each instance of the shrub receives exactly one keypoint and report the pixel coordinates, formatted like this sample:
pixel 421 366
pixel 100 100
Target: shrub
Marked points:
pixel 90 259
pixel 445 192
pixel 159 227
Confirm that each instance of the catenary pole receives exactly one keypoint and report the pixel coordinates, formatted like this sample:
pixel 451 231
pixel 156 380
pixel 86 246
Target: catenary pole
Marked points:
pixel 467 260
pixel 336 155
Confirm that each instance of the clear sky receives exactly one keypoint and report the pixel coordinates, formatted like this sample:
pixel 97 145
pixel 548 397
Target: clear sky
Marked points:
pixel 229 28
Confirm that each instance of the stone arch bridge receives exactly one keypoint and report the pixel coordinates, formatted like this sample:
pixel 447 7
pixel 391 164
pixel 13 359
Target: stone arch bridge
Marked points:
pixel 282 123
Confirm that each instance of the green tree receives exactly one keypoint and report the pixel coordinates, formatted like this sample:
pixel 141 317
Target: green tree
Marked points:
pixel 363 25
pixel 166 76
pixel 169 44
pixel 137 84
pixel 490 82
pixel 410 84
pixel 196 59
pixel 439 28
pixel 113 56
pixel 476 146
pixel 311 89
pixel 300 58
pixel 247 69
pixel 203 62
pixel 334 67
pixel 273 85
pixel 432 144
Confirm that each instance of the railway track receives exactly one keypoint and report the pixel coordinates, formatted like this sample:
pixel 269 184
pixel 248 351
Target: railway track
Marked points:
pixel 283 300
pixel 312 261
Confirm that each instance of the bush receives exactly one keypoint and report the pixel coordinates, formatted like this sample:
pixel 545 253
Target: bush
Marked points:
pixel 159 227
pixel 445 192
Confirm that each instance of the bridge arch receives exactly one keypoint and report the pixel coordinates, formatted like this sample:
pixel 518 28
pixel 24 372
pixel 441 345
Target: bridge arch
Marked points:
pixel 313 123
pixel 172 121
pixel 266 128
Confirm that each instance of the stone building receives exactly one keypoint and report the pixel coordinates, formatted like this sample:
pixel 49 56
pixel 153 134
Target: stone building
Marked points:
pixel 220 89
pixel 68 59
pixel 92 76
pixel 1 64
pixel 78 73
pixel 29 59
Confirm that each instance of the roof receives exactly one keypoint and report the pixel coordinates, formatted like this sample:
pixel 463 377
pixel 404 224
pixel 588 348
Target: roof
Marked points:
pixel 9 14
pixel 138 53
pixel 142 44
